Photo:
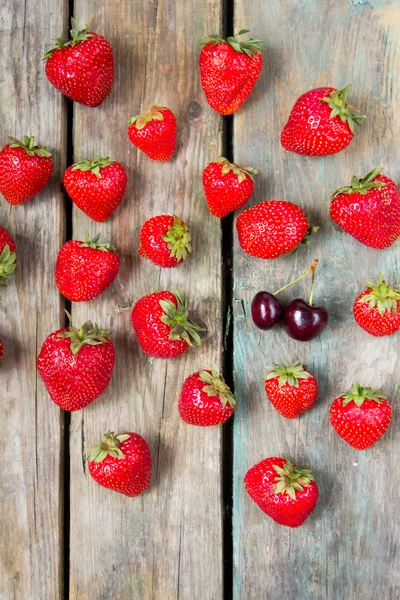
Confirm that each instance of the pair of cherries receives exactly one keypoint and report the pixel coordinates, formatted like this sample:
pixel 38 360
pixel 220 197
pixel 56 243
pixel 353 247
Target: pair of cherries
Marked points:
pixel 302 320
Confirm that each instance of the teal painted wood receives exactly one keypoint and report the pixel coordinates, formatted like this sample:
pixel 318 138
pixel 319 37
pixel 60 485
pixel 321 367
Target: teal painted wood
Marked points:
pixel 347 549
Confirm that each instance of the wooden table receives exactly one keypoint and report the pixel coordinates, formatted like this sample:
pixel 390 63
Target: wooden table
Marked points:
pixel 195 535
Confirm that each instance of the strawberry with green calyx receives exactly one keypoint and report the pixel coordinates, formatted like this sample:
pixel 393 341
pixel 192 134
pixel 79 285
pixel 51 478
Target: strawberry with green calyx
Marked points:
pixel 8 257
pixel 377 308
pixel 291 389
pixel 165 240
pixel 154 132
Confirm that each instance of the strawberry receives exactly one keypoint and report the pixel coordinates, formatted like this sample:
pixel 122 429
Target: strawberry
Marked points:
pixel 377 308
pixel 229 70
pixel 162 325
pixel 8 257
pixel 76 364
pixel 154 132
pixel 227 186
pixel 205 399
pixel 82 68
pixel 96 186
pixel 25 169
pixel 369 210
pixel 85 269
pixel 321 122
pixel 165 240
pixel 291 389
pixel 121 463
pixel 272 228
pixel 361 416
pixel 286 493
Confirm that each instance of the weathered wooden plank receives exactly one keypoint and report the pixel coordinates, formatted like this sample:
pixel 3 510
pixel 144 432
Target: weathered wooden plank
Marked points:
pixel 30 307
pixel 166 543
pixel 347 549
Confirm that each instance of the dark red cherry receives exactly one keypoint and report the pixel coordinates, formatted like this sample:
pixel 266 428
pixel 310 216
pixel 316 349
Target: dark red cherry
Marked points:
pixel 304 322
pixel 266 311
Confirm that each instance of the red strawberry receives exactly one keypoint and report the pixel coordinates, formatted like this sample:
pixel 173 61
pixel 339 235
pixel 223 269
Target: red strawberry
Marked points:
pixel 286 493
pixel 76 364
pixel 25 169
pixel 229 70
pixel 8 257
pixel 272 228
pixel 82 68
pixel 85 269
pixel 361 416
pixel 369 210
pixel 162 325
pixel 96 186
pixel 321 123
pixel 227 186
pixel 154 132
pixel 1 349
pixel 291 389
pixel 121 463
pixel 377 308
pixel 205 399
pixel 165 240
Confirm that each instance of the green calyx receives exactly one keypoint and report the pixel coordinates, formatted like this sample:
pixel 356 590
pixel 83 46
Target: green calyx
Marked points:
pixel 240 172
pixel 7 264
pixel 312 230
pixel 109 446
pixel 178 320
pixel 153 112
pixel 250 46
pixel 288 373
pixel 337 101
pixel 88 334
pixel 78 35
pixel 382 296
pixel 358 394
pixel 178 240
pixel 29 146
pixel 94 165
pixel 93 243
pixel 363 185
pixel 292 479
pixel 216 386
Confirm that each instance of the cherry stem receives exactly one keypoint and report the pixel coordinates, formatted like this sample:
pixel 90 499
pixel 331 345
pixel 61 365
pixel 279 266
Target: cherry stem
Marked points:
pixel 313 267
pixel 310 269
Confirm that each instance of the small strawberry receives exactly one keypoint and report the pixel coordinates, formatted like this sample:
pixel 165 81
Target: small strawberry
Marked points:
pixel 8 257
pixel 361 416
pixel 377 308
pixel 76 364
pixel 227 186
pixel 85 269
pixel 369 210
pixel 121 463
pixel 25 169
pixel 96 186
pixel 162 325
pixel 321 122
pixel 205 399
pixel 165 240
pixel 286 493
pixel 82 68
pixel 291 389
pixel 229 70
pixel 154 132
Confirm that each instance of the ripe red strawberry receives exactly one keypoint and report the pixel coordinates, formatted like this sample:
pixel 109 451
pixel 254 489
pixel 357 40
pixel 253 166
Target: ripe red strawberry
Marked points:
pixel 154 132
pixel 85 269
pixel 291 389
pixel 8 257
pixel 369 210
pixel 76 364
pixel 205 399
pixel 227 186
pixel 361 416
pixel 25 169
pixel 165 240
pixel 377 308
pixel 321 122
pixel 82 68
pixel 286 493
pixel 121 463
pixel 162 325
pixel 229 70
pixel 96 186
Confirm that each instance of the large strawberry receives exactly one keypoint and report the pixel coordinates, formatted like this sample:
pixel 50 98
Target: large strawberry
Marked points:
pixel 25 169
pixel 85 269
pixel 8 257
pixel 76 364
pixel 82 68
pixel 227 186
pixel 369 209
pixel 229 70
pixel 291 389
pixel 321 122
pixel 377 308
pixel 205 399
pixel 361 416
pixel 154 132
pixel 96 186
pixel 162 325
pixel 122 463
pixel 286 493
pixel 165 240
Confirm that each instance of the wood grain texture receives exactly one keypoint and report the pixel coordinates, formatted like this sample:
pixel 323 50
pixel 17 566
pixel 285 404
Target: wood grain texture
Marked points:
pixel 30 308
pixel 348 547
pixel 165 544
